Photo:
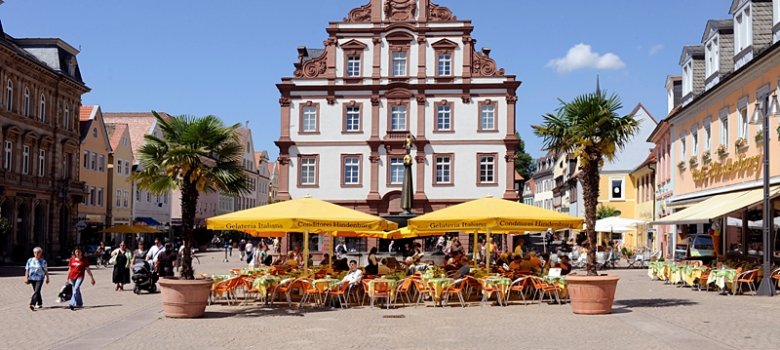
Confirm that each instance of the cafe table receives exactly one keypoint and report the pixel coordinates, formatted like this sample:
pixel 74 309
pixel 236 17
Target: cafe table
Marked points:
pixel 495 283
pixel 691 273
pixel 560 282
pixel 264 283
pixel 438 285
pixel 722 278
pixel 323 286
pixel 675 274
pixel 372 290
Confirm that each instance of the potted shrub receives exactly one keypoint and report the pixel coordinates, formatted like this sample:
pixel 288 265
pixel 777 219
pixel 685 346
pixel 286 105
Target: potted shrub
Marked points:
pixel 723 151
pixel 740 144
pixel 693 162
pixel 570 130
pixel 706 157
pixel 681 166
pixel 759 137
pixel 194 155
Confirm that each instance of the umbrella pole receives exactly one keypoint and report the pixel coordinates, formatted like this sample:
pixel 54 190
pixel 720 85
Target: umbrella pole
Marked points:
pixel 487 250
pixel 306 248
pixel 476 248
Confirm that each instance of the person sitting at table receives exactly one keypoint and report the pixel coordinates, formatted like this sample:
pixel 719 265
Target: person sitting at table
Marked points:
pixel 354 276
pixel 341 265
pixel 325 260
pixel 502 259
pixel 564 264
pixel 291 260
pixel 418 253
pixel 516 262
pixel 464 269
pixel 383 269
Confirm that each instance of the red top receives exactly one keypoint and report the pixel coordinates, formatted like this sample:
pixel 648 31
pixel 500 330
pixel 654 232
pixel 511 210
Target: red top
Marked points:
pixel 77 268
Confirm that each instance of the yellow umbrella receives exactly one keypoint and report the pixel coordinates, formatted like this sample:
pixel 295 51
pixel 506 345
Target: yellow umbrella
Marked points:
pixel 265 234
pixel 304 214
pixel 491 214
pixel 129 229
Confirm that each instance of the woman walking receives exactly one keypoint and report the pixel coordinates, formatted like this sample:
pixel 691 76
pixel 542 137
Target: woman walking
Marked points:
pixel 35 272
pixel 122 259
pixel 78 266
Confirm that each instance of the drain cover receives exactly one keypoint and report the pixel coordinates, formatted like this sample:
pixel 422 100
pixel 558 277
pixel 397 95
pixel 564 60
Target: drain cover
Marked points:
pixel 394 316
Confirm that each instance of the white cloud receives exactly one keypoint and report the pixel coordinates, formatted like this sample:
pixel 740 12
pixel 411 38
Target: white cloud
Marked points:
pixel 581 56
pixel 656 49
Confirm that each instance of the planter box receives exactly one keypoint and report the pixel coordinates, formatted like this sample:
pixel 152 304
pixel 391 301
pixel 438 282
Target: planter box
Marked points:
pixel 592 295
pixel 184 298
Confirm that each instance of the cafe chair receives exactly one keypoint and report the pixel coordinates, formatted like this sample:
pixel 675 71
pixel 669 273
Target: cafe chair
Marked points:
pixel 422 290
pixel 455 288
pixel 749 278
pixel 285 287
pixel 342 294
pixel 381 290
pixel 226 289
pixel 309 290
pixel 519 286
pixel 403 289
pixel 702 281
pixel 542 288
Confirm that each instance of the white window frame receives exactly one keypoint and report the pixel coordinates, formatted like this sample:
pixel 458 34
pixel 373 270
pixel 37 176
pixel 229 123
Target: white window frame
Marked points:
pixel 487 168
pixel 708 135
pixel 9 96
pixel 622 180
pixel 398 64
pixel 444 117
pixel 694 141
pixel 351 170
pixel 127 167
pixel 93 161
pixel 308 171
pixel 682 147
pixel 66 119
pixel 100 196
pixel 42 109
pixel 398 114
pixel 126 199
pixel 743 118
pixel 119 167
pixel 102 163
pixel 41 163
pixel 93 196
pixel 354 66
pixel 352 119
pixel 26 107
pixel 444 66
pixel 309 119
pixel 487 117
pixel 443 169
pixel 118 202
pixel 8 159
pixel 724 127
pixel 396 171
pixel 25 159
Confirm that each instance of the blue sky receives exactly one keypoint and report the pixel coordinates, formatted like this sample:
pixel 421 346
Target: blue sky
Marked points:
pixel 225 57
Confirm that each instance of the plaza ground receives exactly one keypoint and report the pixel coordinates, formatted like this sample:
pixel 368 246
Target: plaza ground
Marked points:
pixel 647 315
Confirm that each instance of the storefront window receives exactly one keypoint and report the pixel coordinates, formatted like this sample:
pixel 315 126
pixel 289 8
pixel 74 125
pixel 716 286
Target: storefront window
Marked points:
pixel 295 240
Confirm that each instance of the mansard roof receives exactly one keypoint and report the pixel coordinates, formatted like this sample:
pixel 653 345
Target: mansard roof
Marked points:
pixel 693 51
pixel 720 26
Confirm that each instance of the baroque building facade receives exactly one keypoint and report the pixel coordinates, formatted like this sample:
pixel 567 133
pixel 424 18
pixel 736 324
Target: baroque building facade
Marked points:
pixel 393 68
pixel 39 177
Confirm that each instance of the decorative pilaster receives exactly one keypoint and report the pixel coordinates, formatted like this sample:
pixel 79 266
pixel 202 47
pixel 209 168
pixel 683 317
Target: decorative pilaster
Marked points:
pixel 422 53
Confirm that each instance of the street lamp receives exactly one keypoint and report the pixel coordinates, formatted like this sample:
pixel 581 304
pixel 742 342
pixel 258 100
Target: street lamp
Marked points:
pixel 766 288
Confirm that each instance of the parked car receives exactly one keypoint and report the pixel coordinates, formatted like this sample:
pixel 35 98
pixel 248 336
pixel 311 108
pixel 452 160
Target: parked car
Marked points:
pixel 695 247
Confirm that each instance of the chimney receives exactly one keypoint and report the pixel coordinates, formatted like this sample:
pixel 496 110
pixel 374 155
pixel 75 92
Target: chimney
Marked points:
pixel 692 63
pixel 673 92
pixel 718 41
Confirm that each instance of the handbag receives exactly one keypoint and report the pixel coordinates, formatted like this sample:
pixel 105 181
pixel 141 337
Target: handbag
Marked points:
pixel 112 261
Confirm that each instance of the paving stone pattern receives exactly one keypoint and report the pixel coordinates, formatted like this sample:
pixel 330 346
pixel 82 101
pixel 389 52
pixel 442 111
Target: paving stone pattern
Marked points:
pixel 647 315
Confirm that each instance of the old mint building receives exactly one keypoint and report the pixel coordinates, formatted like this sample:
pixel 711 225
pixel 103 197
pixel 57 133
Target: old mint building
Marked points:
pixel 95 151
pixel 39 178
pixel 392 68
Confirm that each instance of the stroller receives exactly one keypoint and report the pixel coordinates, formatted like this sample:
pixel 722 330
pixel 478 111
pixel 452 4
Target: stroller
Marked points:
pixel 144 278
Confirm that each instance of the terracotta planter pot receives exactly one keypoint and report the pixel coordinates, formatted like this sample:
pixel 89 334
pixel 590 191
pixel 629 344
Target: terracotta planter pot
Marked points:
pixel 184 298
pixel 592 295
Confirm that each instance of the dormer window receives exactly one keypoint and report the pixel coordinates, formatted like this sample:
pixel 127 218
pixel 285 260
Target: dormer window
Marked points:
pixel 712 57
pixel 687 85
pixel 743 33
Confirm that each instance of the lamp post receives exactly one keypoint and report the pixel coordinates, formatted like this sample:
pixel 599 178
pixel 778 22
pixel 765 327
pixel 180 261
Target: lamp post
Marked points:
pixel 766 288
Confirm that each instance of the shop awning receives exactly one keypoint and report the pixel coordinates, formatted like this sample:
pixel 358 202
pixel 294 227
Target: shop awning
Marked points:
pixel 717 206
pixel 148 220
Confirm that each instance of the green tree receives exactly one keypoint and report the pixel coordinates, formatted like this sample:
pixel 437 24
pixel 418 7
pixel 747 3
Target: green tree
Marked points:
pixel 589 128
pixel 605 211
pixel 524 163
pixel 195 155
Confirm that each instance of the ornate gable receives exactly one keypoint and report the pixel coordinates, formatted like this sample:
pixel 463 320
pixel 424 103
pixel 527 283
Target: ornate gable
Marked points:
pixel 438 13
pixel 361 14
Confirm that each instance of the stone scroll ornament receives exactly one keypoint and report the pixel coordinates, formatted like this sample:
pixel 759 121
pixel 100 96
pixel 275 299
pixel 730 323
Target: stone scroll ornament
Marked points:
pixel 401 10
pixel 313 68
pixel 361 14
pixel 438 13
pixel 484 66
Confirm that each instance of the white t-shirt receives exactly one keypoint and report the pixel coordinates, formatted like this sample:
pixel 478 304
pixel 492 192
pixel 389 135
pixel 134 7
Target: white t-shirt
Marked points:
pixel 153 252
pixel 249 247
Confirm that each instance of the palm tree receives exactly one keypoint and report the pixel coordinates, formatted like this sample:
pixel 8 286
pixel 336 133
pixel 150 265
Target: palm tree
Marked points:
pixel 589 128
pixel 194 155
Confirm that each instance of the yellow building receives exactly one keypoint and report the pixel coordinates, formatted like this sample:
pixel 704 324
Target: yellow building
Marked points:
pixel 644 178
pixel 95 150
pixel 120 165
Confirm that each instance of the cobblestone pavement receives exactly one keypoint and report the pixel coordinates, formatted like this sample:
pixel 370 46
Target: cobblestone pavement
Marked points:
pixel 647 315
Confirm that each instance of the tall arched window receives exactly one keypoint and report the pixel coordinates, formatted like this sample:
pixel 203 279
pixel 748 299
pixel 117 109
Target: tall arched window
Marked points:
pixel 9 96
pixel 42 109
pixel 26 103
pixel 66 118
